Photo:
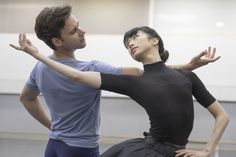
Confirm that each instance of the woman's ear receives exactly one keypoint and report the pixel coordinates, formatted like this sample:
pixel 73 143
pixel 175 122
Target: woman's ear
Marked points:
pixel 155 41
pixel 56 41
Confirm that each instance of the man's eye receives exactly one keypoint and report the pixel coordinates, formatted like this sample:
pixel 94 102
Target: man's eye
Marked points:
pixel 74 31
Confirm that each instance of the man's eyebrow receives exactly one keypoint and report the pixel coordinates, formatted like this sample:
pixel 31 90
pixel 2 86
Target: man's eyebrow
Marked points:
pixel 75 27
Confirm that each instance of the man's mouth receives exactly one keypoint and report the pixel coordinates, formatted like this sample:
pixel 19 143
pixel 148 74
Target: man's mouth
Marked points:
pixel 82 40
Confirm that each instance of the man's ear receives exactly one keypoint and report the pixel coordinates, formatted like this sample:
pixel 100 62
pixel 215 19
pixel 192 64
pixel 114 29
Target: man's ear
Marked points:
pixel 56 41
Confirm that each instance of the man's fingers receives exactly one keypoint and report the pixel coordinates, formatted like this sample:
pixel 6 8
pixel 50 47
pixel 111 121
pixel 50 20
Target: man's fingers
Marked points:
pixel 213 53
pixel 203 53
pixel 207 52
pixel 215 59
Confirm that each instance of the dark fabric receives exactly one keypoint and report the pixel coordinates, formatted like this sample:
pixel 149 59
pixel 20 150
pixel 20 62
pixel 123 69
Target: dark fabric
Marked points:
pixel 57 148
pixel 142 147
pixel 166 95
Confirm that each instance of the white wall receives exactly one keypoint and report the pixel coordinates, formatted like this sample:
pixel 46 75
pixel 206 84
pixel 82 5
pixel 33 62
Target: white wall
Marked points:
pixel 121 118
pixel 186 26
pixel 218 77
pixel 16 66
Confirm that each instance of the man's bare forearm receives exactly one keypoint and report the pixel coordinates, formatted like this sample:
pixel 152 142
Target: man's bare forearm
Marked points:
pixel 34 107
pixel 132 71
pixel 187 67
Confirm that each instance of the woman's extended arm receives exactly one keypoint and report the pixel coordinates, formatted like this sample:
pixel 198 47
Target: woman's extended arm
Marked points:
pixel 92 79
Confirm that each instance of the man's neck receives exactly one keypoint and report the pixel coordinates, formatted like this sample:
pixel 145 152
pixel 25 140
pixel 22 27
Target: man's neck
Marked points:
pixel 65 55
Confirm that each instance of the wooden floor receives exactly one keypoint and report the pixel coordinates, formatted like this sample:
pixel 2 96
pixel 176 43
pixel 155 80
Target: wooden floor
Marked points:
pixel 35 148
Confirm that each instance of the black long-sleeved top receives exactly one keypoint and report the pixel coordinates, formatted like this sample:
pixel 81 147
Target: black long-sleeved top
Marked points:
pixel 166 95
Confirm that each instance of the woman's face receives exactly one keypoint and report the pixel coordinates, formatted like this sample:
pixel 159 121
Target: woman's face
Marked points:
pixel 139 44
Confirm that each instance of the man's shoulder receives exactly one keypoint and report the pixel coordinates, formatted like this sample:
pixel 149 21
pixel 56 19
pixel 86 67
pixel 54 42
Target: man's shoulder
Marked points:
pixel 98 64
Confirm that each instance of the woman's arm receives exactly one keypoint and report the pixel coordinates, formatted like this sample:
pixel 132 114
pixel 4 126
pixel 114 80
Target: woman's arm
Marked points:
pixel 221 121
pixel 203 96
pixel 92 79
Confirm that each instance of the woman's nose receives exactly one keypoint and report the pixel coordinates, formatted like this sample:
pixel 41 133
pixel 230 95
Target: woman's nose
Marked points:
pixel 131 44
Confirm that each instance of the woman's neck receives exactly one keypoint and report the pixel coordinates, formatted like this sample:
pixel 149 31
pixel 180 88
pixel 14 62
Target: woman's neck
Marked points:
pixel 150 58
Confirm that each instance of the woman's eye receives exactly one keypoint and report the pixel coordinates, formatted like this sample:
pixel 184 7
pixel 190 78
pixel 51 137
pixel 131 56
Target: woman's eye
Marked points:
pixel 136 35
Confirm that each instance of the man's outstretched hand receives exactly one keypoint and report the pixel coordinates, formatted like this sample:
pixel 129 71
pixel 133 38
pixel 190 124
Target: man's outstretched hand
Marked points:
pixel 205 57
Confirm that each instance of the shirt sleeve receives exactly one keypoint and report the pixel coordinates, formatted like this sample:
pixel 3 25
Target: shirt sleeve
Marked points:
pixel 121 84
pixel 201 94
pixel 105 68
pixel 31 82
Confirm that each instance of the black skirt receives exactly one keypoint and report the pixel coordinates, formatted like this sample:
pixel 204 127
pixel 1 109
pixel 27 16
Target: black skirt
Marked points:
pixel 142 147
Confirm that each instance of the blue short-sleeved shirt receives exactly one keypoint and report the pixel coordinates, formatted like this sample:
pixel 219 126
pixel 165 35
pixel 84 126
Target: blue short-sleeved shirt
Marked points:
pixel 74 107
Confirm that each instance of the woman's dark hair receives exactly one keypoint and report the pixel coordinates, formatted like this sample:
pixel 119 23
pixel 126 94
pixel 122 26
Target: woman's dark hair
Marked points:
pixel 49 23
pixel 164 54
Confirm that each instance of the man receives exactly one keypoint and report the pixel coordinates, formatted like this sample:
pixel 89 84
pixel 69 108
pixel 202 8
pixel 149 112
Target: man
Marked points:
pixel 74 108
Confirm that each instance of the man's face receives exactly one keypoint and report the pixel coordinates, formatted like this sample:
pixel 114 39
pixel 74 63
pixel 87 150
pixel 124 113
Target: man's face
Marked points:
pixel 72 35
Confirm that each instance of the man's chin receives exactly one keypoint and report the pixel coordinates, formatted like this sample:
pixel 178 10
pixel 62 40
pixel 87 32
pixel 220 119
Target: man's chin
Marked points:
pixel 82 46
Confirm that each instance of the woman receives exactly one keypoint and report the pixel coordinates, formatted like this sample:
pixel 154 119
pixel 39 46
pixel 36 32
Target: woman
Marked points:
pixel 165 94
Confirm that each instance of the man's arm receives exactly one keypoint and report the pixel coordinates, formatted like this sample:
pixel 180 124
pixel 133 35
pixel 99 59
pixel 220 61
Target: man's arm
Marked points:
pixel 202 59
pixel 132 71
pixel 30 100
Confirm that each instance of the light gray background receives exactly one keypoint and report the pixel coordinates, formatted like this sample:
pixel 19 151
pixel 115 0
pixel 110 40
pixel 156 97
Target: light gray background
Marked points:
pixel 186 26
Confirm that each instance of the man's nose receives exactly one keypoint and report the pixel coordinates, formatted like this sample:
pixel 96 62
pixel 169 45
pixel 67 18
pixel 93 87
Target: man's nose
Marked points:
pixel 81 31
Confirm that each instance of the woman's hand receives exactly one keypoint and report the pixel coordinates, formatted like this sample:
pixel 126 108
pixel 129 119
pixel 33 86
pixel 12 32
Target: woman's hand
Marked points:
pixel 25 45
pixel 192 153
